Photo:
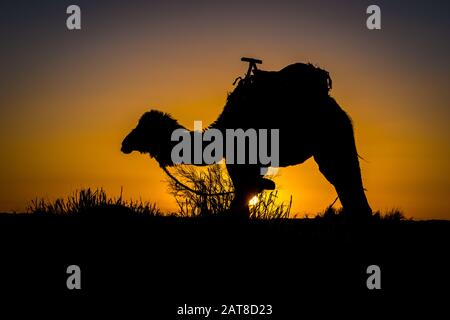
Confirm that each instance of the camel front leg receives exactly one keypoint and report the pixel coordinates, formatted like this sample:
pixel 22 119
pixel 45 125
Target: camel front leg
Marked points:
pixel 247 182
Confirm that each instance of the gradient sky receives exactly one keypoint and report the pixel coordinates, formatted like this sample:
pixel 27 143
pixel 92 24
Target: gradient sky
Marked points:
pixel 69 97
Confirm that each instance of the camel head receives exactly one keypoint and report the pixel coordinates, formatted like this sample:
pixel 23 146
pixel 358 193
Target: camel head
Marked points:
pixel 152 136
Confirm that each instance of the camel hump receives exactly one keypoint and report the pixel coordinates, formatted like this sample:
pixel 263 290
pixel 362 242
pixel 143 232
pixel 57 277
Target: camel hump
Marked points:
pixel 307 75
pixel 303 77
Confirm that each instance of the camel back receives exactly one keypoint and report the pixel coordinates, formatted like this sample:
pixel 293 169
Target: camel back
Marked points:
pixel 265 89
pixel 303 77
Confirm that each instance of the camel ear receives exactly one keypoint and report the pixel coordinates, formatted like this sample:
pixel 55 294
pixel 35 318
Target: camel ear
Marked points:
pixel 145 118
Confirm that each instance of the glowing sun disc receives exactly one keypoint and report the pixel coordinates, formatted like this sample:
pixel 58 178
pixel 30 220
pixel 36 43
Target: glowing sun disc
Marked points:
pixel 253 201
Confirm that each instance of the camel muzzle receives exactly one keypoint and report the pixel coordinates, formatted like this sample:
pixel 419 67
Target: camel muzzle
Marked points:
pixel 126 150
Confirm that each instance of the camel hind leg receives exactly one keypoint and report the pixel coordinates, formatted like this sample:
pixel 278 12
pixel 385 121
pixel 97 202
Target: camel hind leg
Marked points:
pixel 338 161
pixel 344 174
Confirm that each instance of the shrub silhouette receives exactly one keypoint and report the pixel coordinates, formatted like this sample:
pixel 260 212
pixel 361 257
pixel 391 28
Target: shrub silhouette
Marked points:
pixel 213 180
pixel 332 214
pixel 88 201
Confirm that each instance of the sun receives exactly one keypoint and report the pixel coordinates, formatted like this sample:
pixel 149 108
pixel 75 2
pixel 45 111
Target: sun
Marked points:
pixel 253 201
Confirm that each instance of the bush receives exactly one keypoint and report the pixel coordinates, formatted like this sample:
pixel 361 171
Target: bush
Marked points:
pixel 89 201
pixel 214 180
pixel 394 215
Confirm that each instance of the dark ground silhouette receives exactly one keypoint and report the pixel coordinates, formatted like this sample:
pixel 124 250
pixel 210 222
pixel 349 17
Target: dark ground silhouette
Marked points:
pixel 294 100
pixel 158 263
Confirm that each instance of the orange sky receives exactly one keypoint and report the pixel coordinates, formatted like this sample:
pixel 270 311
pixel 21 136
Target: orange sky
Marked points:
pixel 70 99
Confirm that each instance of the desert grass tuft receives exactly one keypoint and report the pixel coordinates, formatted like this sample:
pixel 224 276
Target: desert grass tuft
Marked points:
pixel 88 201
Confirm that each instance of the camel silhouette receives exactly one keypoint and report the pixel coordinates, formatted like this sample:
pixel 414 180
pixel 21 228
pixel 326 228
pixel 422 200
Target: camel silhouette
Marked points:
pixel 294 100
